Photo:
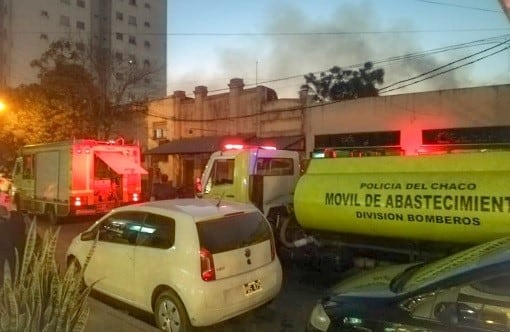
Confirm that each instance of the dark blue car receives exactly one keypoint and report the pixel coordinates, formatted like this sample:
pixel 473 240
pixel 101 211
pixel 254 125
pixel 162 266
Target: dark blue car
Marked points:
pixel 467 291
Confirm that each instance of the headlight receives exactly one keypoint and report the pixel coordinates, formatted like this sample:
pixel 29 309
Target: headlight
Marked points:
pixel 319 318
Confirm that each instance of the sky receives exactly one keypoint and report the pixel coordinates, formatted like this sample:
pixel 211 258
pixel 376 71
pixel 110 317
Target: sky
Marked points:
pixel 462 43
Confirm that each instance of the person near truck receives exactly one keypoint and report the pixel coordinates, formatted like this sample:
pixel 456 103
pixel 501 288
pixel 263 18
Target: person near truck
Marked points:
pixel 163 190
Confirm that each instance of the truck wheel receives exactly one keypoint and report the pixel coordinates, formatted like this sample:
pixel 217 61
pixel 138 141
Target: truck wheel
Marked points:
pixel 52 215
pixel 170 314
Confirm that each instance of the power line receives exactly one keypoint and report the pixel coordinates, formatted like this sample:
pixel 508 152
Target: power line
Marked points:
pixel 459 6
pixel 262 34
pixel 444 66
pixel 294 108
pixel 409 56
pixel 451 69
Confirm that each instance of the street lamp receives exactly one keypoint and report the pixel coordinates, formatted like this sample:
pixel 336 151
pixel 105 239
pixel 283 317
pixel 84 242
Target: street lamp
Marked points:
pixel 2 106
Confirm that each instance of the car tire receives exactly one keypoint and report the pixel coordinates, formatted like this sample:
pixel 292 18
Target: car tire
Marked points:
pixel 170 313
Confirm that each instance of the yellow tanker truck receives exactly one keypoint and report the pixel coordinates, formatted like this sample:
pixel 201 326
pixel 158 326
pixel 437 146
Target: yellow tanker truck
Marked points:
pixel 406 206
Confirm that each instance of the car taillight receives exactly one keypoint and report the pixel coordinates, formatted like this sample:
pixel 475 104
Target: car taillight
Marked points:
pixel 135 197
pixel 207 265
pixel 79 201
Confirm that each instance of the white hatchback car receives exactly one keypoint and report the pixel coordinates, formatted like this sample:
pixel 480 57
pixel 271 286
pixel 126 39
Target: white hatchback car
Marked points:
pixel 190 262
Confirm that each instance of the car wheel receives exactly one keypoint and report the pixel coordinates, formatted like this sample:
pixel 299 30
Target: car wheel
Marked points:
pixel 170 313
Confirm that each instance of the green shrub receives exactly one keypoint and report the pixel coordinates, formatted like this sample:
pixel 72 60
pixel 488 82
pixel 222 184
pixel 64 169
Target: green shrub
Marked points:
pixel 36 297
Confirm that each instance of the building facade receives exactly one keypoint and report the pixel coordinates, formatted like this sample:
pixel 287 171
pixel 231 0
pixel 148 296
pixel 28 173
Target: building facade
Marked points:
pixel 183 131
pixel 120 29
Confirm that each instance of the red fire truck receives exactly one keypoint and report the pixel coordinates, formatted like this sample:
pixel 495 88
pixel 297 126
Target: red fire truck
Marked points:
pixel 79 177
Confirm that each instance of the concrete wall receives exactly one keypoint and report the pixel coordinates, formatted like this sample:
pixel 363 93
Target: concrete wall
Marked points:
pixel 411 113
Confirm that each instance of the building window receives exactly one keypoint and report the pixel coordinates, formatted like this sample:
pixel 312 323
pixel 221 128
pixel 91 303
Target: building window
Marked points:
pixel 147 44
pixel 80 25
pixel 119 16
pixel 119 76
pixel 132 40
pixel 146 63
pixel 118 56
pixel 43 36
pixel 80 3
pixel 147 80
pixel 119 36
pixel 147 24
pixel 147 5
pixel 159 131
pixel 44 13
pixel 80 46
pixel 132 2
pixel 132 20
pixel 67 2
pixel 64 21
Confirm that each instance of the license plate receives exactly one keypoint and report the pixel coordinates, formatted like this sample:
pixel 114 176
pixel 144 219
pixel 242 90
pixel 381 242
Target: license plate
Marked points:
pixel 252 287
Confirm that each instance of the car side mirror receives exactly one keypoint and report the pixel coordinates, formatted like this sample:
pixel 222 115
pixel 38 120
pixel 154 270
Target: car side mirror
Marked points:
pixel 89 235
pixel 447 313
pixel 451 313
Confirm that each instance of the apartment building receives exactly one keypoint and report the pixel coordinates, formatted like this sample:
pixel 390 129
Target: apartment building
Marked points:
pixel 124 30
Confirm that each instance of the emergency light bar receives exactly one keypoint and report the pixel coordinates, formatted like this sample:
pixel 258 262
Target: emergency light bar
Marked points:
pixel 241 147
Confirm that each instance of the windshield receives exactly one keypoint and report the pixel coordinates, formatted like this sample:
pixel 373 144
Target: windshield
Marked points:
pixel 474 257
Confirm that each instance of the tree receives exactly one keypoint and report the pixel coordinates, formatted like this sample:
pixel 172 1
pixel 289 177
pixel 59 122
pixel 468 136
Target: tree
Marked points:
pixel 25 121
pixel 339 84
pixel 70 92
pixel 96 84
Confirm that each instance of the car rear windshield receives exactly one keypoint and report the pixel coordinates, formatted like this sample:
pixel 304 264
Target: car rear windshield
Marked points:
pixel 233 232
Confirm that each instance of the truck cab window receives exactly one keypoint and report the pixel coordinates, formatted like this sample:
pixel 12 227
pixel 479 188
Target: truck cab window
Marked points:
pixel 223 172
pixel 28 167
pixel 18 167
pixel 275 166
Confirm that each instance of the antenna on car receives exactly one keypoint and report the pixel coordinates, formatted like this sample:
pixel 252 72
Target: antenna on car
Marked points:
pixel 219 200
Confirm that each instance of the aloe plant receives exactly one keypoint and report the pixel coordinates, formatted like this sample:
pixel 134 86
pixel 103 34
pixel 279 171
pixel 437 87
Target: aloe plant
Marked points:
pixel 36 296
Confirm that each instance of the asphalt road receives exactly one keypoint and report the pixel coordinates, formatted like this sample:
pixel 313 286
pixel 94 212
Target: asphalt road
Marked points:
pixel 302 286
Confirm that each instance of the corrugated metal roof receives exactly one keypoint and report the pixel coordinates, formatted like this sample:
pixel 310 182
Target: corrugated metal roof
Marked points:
pixel 209 144
pixel 204 144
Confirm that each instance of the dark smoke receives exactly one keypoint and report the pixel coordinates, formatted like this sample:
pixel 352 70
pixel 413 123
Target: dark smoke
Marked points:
pixel 262 58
